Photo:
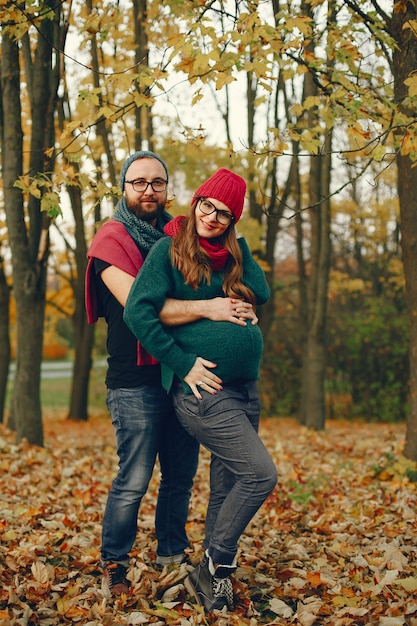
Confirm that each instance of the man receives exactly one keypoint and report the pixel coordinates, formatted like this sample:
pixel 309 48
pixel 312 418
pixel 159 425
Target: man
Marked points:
pixel 142 415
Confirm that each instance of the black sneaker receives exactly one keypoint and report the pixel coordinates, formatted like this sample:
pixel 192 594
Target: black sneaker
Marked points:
pixel 114 577
pixel 211 592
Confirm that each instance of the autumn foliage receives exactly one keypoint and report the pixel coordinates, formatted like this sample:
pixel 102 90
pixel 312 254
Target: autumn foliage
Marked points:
pixel 334 544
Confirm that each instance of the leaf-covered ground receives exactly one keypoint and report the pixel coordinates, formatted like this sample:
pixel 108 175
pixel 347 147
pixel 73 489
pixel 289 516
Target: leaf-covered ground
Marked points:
pixel 336 543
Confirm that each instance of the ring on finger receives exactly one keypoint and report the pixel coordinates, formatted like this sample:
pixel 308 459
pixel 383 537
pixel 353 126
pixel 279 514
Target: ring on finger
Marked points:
pixel 200 382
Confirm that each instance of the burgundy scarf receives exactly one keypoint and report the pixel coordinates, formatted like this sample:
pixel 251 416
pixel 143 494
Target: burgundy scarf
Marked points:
pixel 217 253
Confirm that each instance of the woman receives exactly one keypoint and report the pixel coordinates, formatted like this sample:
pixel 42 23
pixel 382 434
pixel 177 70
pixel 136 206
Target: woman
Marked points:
pixel 211 367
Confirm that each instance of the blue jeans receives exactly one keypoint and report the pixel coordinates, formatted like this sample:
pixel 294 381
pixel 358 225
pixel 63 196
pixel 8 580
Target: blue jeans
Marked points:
pixel 146 426
pixel 242 474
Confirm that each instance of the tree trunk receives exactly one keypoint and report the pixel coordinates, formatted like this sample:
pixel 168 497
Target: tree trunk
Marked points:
pixel 4 338
pixel 103 127
pixel 4 301
pixel 84 332
pixel 314 362
pixel 405 63
pixel 26 411
pixel 313 375
pixel 29 234
pixel 144 138
pixel 407 183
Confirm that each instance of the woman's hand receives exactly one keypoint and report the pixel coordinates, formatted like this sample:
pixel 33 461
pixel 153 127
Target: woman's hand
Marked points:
pixel 200 376
pixel 230 310
pixel 243 311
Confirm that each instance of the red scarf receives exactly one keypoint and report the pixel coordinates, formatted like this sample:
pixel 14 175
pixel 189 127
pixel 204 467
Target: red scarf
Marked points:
pixel 217 253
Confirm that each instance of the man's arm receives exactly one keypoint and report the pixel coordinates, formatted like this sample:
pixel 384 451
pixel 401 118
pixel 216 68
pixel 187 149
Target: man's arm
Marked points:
pixel 118 282
pixel 177 312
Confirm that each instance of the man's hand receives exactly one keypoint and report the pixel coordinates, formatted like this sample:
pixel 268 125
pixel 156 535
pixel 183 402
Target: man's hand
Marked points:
pixel 200 376
pixel 178 312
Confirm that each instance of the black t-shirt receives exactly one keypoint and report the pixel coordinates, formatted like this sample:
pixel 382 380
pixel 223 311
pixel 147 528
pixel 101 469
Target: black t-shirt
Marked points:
pixel 121 343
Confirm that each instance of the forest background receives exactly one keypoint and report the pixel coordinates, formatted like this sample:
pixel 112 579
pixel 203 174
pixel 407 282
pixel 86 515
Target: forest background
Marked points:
pixel 314 102
pixel 322 127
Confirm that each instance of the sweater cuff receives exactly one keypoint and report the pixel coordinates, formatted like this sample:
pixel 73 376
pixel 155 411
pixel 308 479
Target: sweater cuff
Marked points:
pixel 184 365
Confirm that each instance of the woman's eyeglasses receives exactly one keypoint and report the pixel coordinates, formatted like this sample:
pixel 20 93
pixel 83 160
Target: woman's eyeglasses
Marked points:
pixel 223 217
pixel 141 185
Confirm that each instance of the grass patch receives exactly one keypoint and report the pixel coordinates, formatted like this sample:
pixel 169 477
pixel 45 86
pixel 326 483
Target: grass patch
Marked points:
pixel 55 392
pixel 97 388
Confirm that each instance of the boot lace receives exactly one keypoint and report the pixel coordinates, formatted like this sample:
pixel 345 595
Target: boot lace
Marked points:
pixel 116 576
pixel 223 588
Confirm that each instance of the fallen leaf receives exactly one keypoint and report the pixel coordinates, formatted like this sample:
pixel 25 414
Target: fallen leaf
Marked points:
pixel 333 545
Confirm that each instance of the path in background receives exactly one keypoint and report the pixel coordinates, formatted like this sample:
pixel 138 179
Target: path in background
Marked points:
pixel 56 369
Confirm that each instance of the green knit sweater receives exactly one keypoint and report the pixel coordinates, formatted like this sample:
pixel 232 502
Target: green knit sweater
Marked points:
pixel 235 349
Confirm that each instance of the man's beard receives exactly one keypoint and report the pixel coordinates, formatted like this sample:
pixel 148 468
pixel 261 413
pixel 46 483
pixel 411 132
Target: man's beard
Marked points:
pixel 146 216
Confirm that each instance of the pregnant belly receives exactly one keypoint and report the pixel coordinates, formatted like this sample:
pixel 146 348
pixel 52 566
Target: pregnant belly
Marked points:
pixel 236 350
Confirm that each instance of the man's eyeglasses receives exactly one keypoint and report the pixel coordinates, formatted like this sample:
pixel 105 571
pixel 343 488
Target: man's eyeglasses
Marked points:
pixel 223 217
pixel 141 185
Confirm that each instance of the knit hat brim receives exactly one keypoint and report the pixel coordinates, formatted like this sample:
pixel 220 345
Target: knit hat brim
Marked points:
pixel 227 187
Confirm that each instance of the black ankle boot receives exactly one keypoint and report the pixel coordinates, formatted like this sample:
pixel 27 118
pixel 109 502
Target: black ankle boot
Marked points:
pixel 211 592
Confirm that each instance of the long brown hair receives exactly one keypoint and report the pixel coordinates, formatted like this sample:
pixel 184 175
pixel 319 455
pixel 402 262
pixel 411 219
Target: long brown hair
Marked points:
pixel 195 265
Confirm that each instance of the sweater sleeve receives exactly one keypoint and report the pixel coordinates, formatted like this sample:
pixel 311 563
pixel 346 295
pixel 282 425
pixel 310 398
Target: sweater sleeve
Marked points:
pixel 253 274
pixel 152 286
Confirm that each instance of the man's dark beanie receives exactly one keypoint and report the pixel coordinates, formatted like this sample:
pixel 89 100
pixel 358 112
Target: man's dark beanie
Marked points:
pixel 141 154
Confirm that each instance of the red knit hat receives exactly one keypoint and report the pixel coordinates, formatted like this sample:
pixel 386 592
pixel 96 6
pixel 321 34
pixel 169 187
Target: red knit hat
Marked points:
pixel 225 186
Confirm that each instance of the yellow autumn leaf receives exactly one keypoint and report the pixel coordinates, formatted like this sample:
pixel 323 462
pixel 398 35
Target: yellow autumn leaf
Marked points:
pixel 69 128
pixel 185 65
pixel 9 535
pixel 142 100
pixel 62 605
pixel 201 64
pixel 260 68
pixel 343 601
pixel 223 79
pixel 107 112
pixel 34 191
pixel 409 584
pixel 196 97
pixel 411 83
pixel 412 24
pixel 407 144
pixel 378 153
pixel 311 101
pixel 161 611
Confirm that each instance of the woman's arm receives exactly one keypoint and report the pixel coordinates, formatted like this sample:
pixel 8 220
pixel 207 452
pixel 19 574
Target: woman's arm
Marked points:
pixel 177 312
pixel 141 314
